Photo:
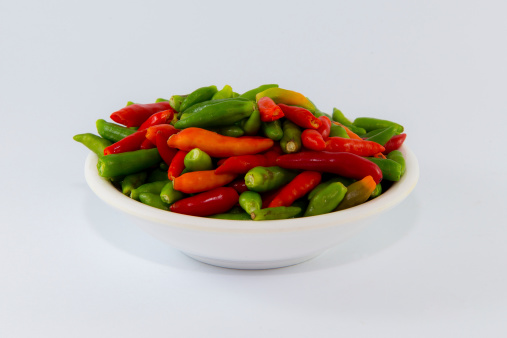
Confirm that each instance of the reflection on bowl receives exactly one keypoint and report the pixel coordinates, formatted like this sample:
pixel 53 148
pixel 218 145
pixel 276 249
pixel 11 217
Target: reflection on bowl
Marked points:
pixel 254 245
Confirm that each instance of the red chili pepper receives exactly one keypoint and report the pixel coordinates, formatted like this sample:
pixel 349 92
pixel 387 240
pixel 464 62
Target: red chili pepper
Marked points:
pixel 147 144
pixel 325 127
pixel 162 117
pixel 394 143
pixel 167 153
pixel 300 116
pixel 166 129
pixel 344 164
pixel 130 143
pixel 268 196
pixel 297 188
pixel 134 115
pixel 241 164
pixel 313 140
pixel 268 109
pixel 238 185
pixel 177 165
pixel 199 181
pixel 208 203
pixel 358 147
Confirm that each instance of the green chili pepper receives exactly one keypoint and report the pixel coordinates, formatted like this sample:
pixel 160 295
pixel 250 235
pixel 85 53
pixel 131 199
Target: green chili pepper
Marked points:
pixel 93 142
pixel 127 163
pixel 338 131
pixel 111 131
pixel 291 139
pixel 377 192
pixel 224 93
pixel 252 124
pixel 383 136
pixel 196 108
pixel 340 118
pixel 250 201
pixel 153 200
pixel 251 93
pixel 169 195
pixel 235 217
pixel 397 156
pixel 373 133
pixel 273 130
pixel 161 100
pixel 262 179
pixel 157 175
pixel 326 200
pixel 343 180
pixel 356 130
pixel 232 131
pixel 275 213
pixel 219 113
pixel 133 181
pixel 199 95
pixel 234 94
pixel 391 170
pixel 152 188
pixel 369 124
pixel 176 100
pixel 197 160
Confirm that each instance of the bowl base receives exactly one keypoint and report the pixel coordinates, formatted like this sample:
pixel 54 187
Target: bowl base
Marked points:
pixel 253 265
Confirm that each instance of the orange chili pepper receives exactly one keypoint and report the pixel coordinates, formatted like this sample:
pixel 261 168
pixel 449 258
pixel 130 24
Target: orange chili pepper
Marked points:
pixel 357 193
pixel 199 181
pixel 216 145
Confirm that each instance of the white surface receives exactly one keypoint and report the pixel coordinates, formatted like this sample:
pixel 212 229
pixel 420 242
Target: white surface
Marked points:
pixel 72 267
pixel 255 245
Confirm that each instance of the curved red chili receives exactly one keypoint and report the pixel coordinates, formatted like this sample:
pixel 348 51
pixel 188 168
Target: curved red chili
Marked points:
pixel 297 188
pixel 216 201
pixel 128 143
pixel 162 117
pixel 325 127
pixel 177 165
pixel 313 140
pixel 166 129
pixel 394 143
pixel 134 115
pixel 268 109
pixel 358 147
pixel 300 116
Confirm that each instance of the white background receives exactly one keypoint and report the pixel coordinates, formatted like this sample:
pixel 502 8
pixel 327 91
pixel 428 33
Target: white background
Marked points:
pixel 435 266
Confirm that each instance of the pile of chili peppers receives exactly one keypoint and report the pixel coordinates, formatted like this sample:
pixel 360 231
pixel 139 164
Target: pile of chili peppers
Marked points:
pixel 266 154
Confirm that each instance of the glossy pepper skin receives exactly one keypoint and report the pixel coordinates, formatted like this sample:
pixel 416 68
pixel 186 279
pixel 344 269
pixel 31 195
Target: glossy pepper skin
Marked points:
pixel 242 164
pixel 291 139
pixel 177 165
pixel 217 145
pixel 338 116
pixel 199 181
pixel 343 180
pixel 133 181
pixel 287 97
pixel 297 188
pixel 166 129
pixel 197 160
pixel 95 143
pixel 383 136
pixel 167 153
pixel 252 124
pixel 152 188
pixel 224 93
pixel 238 185
pixel 250 95
pixel 176 100
pixel 300 116
pixel 358 147
pixel 337 130
pixel 112 131
pixel 208 203
pixel 127 163
pixel 370 123
pixel 129 143
pixel 397 156
pixel 343 164
pixel 326 200
pixel 250 201
pixel 162 117
pixel 394 143
pixel 169 195
pixel 153 200
pixel 313 140
pixel 199 95
pixel 261 179
pixel 134 115
pixel 268 109
pixel 391 170
pixel 224 113
pixel 325 127
pixel 357 193
pixel 275 213
pixel 273 130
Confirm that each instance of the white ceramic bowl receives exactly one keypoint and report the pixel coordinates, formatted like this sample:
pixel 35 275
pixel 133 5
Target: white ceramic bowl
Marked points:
pixel 249 244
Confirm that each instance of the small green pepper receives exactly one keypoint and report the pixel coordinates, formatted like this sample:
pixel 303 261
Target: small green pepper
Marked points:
pixel 340 118
pixel 133 181
pixel 93 142
pixel 251 93
pixel 169 195
pixel 391 170
pixel 343 180
pixel 338 131
pixel 153 200
pixel 152 188
pixel 252 124
pixel 383 136
pixel 224 93
pixel 197 160
pixel 199 95
pixel 377 192
pixel 261 179
pixel 127 163
pixel 275 213
pixel 369 124
pixel 176 100
pixel 250 201
pixel 326 200
pixel 232 131
pixel 273 130
pixel 161 100
pixel 291 139
pixel 112 131
pixel 397 156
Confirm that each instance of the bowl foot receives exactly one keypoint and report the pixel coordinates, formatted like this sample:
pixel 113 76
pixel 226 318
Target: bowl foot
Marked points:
pixel 253 265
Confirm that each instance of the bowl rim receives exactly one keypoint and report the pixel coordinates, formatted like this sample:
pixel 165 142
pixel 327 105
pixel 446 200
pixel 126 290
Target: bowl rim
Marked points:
pixel 393 196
